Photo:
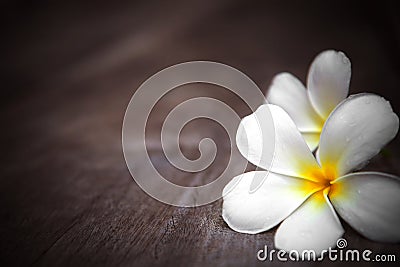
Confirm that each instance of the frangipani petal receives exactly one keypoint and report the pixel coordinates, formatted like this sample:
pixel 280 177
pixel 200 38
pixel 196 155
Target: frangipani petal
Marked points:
pixel 290 94
pixel 328 81
pixel 261 210
pixel 369 202
pixel 355 132
pixel 255 137
pixel 313 226
pixel 317 156
pixel 292 156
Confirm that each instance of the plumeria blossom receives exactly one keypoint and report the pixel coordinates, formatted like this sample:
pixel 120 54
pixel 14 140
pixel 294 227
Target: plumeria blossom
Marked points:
pixel 327 85
pixel 307 195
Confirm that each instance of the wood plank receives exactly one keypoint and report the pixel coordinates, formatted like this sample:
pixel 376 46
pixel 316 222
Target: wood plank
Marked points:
pixel 69 72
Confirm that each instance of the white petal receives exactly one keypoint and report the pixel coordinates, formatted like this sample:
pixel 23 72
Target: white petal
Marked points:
pixel 369 202
pixel 328 81
pixel 317 156
pixel 356 131
pixel 255 137
pixel 291 155
pixel 290 94
pixel 261 210
pixel 313 226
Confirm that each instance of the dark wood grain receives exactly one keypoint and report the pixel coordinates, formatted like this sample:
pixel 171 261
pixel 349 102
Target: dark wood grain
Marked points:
pixel 68 72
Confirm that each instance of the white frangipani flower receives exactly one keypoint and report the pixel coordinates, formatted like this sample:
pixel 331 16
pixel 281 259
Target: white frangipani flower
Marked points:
pixel 306 195
pixel 328 84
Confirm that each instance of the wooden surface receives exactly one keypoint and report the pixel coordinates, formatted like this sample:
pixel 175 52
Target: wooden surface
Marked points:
pixel 68 72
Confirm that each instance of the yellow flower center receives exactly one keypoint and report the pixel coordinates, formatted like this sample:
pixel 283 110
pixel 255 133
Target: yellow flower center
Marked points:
pixel 322 181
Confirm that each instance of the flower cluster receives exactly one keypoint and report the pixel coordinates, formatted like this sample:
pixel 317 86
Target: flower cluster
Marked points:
pixel 307 193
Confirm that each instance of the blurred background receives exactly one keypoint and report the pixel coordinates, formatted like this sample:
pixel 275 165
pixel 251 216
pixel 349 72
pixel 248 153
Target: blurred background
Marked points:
pixel 68 71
